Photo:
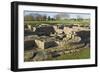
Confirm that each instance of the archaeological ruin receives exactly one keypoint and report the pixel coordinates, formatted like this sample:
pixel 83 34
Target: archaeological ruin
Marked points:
pixel 47 37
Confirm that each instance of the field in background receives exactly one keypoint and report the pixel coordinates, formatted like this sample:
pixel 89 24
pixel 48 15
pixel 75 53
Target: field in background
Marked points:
pixel 84 22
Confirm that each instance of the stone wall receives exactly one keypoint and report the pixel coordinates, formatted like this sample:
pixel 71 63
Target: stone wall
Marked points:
pixel 40 44
pixel 29 44
pixel 45 44
pixel 50 44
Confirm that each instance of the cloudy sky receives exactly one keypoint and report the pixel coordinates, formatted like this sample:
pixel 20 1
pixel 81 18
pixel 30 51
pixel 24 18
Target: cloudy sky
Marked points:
pixel 52 14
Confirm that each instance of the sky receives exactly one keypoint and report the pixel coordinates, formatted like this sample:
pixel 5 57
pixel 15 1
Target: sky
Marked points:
pixel 52 14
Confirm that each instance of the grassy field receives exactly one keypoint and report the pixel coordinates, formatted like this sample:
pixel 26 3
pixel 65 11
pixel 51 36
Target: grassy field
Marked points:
pixel 83 54
pixel 66 22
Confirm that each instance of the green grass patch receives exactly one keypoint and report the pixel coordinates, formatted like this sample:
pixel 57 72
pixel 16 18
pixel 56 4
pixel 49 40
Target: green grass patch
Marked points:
pixel 83 54
pixel 66 22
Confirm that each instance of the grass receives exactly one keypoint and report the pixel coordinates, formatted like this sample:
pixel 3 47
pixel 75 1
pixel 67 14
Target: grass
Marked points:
pixel 83 54
pixel 27 55
pixel 83 22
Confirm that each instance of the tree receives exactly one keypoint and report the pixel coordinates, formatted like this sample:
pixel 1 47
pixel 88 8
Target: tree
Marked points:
pixel 57 17
pixel 62 16
pixel 49 18
pixel 79 18
pixel 44 17
pixel 28 18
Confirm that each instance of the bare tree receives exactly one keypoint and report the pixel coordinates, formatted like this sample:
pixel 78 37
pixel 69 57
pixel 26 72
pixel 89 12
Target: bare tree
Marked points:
pixel 62 16
pixel 28 18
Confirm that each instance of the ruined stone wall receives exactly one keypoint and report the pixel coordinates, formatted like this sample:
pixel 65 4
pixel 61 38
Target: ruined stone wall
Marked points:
pixel 40 44
pixel 29 44
pixel 29 27
pixel 50 44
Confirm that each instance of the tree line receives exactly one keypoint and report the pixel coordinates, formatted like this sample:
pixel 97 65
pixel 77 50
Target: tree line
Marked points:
pixel 59 16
